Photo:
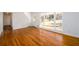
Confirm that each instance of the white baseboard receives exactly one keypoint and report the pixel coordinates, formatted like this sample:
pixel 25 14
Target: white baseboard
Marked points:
pixel 61 32
pixel 71 35
pixel 67 34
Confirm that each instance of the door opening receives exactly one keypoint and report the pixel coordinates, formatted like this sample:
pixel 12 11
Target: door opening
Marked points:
pixel 7 21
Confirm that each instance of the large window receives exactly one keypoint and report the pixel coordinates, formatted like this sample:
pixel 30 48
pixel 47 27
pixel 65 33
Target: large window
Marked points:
pixel 52 21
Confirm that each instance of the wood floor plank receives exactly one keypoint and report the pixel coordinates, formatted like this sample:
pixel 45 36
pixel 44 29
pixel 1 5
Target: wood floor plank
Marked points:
pixel 32 36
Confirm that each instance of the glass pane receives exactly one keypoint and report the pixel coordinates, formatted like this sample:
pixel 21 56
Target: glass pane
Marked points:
pixel 58 22
pixel 52 21
pixel 48 21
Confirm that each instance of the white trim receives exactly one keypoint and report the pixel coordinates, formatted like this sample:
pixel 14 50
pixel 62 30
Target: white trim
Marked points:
pixel 62 32
pixel 0 33
pixel 67 34
pixel 71 35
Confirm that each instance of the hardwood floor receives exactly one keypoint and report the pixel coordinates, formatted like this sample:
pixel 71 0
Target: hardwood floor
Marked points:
pixel 32 36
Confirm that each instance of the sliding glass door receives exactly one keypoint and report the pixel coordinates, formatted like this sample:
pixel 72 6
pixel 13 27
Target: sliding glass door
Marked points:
pixel 52 21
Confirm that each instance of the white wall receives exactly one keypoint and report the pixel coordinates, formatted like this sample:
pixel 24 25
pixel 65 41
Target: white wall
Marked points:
pixel 21 20
pixel 1 22
pixel 71 23
pixel 35 19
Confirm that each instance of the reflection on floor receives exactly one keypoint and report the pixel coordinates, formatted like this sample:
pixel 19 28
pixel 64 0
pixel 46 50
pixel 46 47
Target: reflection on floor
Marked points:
pixel 33 36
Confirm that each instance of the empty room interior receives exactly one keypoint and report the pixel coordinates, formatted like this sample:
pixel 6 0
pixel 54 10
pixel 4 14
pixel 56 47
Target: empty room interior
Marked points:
pixel 39 28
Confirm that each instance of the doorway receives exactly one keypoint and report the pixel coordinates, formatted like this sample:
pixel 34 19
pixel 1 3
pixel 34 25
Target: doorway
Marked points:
pixel 7 21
